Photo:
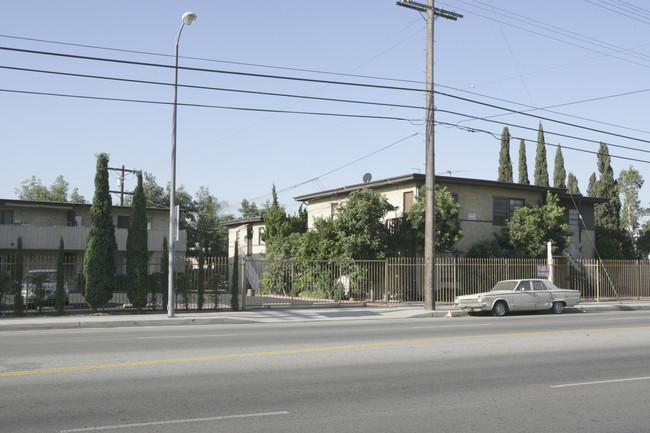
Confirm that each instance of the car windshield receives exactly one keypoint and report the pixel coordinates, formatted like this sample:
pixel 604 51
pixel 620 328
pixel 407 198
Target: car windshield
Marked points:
pixel 505 285
pixel 45 276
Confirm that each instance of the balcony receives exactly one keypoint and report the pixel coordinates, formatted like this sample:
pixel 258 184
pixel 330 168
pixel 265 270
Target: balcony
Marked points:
pixel 74 238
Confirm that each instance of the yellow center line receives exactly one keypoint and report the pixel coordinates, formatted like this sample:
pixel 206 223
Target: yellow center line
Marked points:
pixel 299 351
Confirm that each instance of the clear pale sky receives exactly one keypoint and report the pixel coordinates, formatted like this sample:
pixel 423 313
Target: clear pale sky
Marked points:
pixel 584 63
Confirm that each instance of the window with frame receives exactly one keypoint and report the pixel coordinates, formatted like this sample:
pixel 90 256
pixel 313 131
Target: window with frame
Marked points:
pixel 123 221
pixel 6 216
pixel 503 208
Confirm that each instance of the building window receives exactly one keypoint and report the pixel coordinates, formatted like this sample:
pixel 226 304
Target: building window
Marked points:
pixel 123 221
pixel 574 225
pixel 6 216
pixel 260 235
pixel 149 223
pixel 334 211
pixel 408 200
pixel 503 208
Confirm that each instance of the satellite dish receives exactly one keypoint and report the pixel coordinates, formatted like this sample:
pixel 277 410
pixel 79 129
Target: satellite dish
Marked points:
pixel 367 177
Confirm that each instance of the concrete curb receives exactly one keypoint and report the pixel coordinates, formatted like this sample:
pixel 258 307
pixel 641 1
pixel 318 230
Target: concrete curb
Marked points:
pixel 266 316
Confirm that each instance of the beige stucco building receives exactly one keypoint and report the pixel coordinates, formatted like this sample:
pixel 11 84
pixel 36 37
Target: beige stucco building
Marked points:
pixel 42 224
pixel 485 206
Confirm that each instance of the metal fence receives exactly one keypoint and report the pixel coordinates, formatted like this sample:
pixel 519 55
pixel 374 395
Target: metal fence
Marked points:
pixel 296 283
pixel 293 283
pixel 192 285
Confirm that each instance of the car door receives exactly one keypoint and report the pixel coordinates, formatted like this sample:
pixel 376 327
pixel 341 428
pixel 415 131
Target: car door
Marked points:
pixel 543 296
pixel 523 297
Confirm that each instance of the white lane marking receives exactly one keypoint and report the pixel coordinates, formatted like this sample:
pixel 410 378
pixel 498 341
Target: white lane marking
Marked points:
pixel 599 382
pixel 184 336
pixel 474 325
pixel 175 421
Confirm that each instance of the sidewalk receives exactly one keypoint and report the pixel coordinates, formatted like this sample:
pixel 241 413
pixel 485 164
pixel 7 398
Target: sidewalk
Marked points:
pixel 116 320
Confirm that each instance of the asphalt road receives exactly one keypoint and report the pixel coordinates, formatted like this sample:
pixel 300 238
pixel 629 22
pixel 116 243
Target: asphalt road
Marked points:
pixel 522 373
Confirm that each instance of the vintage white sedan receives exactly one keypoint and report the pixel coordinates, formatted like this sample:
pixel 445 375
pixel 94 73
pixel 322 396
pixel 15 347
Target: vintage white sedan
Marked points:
pixel 520 295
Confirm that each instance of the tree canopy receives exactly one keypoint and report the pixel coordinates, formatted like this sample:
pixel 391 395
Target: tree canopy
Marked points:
pixel 505 164
pixel 99 259
pixel 448 230
pixel 541 166
pixel 33 189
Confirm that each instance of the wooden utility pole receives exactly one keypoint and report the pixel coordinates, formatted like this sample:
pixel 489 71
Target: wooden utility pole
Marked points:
pixel 430 176
pixel 121 192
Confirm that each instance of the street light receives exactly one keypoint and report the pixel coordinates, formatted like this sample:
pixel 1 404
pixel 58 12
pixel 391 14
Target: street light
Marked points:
pixel 188 18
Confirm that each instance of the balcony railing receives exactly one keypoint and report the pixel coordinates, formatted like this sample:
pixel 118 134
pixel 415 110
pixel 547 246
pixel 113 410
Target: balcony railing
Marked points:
pixel 43 238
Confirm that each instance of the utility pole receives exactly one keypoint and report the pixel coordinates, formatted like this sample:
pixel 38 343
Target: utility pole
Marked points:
pixel 121 192
pixel 430 176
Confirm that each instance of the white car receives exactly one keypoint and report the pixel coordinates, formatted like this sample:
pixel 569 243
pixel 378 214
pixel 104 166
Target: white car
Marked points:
pixel 520 295
pixel 47 278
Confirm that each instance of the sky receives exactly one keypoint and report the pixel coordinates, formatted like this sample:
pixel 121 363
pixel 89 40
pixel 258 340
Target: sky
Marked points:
pixel 580 68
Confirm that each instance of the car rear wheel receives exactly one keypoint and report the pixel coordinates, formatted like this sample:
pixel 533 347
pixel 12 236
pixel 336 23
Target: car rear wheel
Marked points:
pixel 500 309
pixel 558 307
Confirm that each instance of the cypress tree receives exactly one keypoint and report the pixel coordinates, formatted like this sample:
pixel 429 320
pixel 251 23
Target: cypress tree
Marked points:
pixel 572 184
pixel 137 250
pixel 559 172
pixel 608 220
pixel 234 298
pixel 592 188
pixel 18 278
pixel 164 264
pixel 99 259
pixel 505 164
pixel 541 168
pixel 200 287
pixel 523 165
pixel 60 280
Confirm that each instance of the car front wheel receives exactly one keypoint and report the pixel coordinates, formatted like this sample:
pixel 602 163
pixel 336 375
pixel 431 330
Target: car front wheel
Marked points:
pixel 499 309
pixel 558 307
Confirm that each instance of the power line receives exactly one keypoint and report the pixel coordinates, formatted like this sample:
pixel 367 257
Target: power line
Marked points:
pixel 547 131
pixel 222 107
pixel 523 113
pixel 315 179
pixel 547 28
pixel 221 89
pixel 311 80
pixel 496 137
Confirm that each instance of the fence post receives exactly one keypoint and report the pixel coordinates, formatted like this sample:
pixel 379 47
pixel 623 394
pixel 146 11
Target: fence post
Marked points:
pixel 597 281
pixel 386 280
pixel 243 283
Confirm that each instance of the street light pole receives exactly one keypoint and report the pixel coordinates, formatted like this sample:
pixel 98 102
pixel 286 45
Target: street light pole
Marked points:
pixel 188 18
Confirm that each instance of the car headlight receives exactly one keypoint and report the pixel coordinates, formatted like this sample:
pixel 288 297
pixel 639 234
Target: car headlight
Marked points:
pixel 456 300
pixel 479 298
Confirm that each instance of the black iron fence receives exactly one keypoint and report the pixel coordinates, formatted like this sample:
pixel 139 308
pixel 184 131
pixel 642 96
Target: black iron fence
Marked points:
pixel 293 283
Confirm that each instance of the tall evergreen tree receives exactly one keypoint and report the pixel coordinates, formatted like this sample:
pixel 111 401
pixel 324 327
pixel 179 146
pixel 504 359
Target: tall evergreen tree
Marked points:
pixel 200 288
pixel 60 280
pixel 559 172
pixel 592 188
pixel 630 182
pixel 234 298
pixel 572 184
pixel 164 265
pixel 541 167
pixel 137 250
pixel 17 277
pixel 523 165
pixel 276 225
pixel 608 221
pixel 505 164
pixel 99 259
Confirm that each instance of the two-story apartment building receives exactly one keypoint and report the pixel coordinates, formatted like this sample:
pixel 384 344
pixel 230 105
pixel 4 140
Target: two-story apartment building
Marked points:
pixel 42 224
pixel 485 205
